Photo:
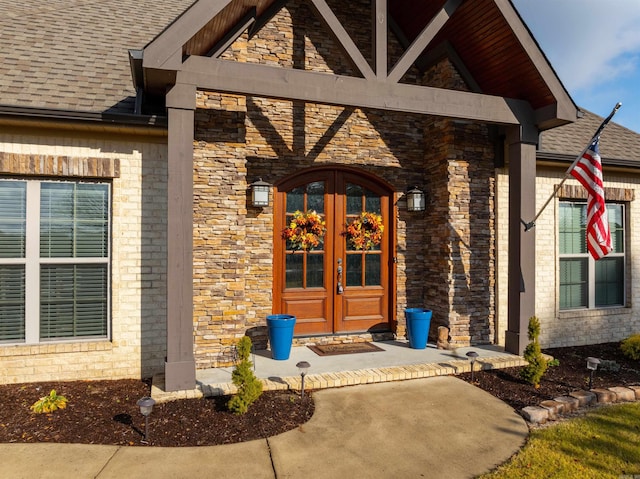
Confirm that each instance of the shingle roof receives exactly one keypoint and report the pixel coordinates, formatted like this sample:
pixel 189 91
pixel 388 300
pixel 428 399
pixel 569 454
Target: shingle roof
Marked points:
pixel 73 54
pixel 616 141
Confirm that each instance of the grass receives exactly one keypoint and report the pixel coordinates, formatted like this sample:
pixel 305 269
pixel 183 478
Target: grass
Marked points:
pixel 605 443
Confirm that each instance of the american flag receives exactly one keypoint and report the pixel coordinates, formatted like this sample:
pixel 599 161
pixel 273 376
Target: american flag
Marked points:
pixel 588 171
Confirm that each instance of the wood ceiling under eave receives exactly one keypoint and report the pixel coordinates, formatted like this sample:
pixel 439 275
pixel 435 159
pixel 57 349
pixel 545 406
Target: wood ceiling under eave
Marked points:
pixel 214 31
pixel 488 37
pixel 486 44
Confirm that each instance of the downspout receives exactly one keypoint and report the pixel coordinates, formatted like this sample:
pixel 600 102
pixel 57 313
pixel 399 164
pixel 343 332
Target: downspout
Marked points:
pixel 137 75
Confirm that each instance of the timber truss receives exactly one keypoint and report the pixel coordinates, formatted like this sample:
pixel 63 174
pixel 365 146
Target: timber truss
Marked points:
pixel 188 51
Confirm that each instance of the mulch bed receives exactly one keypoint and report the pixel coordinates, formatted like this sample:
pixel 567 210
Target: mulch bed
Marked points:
pixel 105 412
pixel 570 375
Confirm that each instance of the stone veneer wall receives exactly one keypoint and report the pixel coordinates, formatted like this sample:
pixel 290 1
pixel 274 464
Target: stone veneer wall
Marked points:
pixel 136 168
pixel 460 284
pixel 577 327
pixel 239 139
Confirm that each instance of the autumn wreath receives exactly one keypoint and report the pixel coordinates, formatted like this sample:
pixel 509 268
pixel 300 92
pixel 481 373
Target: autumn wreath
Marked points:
pixel 365 231
pixel 305 231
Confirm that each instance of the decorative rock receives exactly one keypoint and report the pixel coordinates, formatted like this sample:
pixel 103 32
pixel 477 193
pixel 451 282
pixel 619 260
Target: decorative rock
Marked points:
pixel 535 414
pixel 555 408
pixel 636 390
pixel 604 395
pixel 443 338
pixel 623 394
pixel 570 403
pixel 585 398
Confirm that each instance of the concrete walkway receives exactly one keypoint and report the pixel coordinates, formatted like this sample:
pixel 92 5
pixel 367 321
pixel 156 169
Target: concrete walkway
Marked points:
pixel 439 427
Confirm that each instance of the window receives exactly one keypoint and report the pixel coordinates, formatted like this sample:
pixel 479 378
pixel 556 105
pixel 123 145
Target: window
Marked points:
pixel 585 283
pixel 54 260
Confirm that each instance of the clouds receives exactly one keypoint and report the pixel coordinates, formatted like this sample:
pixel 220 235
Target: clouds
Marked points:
pixel 587 41
pixel 594 46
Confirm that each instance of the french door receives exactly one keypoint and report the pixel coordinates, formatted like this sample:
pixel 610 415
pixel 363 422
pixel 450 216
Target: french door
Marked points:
pixel 338 281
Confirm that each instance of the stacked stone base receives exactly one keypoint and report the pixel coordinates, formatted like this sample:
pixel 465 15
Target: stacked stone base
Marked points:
pixel 555 409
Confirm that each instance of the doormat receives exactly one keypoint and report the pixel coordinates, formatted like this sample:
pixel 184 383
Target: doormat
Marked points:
pixel 345 348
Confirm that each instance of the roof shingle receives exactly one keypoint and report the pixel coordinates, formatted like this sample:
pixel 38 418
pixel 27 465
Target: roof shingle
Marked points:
pixel 616 141
pixel 72 54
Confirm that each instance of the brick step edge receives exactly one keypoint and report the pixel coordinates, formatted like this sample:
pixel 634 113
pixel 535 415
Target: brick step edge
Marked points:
pixel 554 409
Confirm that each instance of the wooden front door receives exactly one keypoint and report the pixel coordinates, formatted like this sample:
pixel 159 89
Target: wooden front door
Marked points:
pixel 335 286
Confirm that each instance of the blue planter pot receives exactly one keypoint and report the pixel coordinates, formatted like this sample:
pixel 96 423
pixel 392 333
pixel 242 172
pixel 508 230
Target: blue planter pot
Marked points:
pixel 280 328
pixel 418 323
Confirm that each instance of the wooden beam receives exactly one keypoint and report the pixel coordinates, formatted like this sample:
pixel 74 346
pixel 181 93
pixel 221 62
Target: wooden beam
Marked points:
pixel 522 244
pixel 180 367
pixel 166 50
pixel 423 39
pixel 380 39
pixel 233 34
pixel 290 84
pixel 349 47
pixel 266 17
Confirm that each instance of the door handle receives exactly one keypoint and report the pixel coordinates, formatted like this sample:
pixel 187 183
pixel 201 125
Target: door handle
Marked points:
pixel 339 289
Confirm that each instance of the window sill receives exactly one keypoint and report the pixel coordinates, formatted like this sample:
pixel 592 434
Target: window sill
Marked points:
pixel 15 350
pixel 595 312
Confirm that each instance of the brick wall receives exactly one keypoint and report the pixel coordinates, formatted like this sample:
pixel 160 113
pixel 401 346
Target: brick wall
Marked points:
pixel 579 327
pixel 137 170
pixel 445 258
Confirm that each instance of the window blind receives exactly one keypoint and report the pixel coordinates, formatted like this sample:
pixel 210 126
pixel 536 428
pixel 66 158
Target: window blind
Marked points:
pixel 73 301
pixel 13 218
pixel 12 303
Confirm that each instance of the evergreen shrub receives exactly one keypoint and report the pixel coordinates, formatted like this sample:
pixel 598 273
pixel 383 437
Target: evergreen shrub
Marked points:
pixel 249 386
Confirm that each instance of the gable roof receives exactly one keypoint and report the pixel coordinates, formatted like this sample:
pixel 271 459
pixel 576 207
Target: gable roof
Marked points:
pixel 618 145
pixel 72 54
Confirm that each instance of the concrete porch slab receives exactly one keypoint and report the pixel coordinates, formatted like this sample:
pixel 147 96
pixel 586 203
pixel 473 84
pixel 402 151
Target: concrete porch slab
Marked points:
pixel 397 362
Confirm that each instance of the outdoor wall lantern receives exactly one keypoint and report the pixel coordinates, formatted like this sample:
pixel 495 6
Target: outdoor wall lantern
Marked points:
pixel 415 199
pixel 146 407
pixel 472 355
pixel 260 193
pixel 303 367
pixel 592 365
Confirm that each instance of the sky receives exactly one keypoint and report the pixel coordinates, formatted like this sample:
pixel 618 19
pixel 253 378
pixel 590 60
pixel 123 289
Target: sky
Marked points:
pixel 594 48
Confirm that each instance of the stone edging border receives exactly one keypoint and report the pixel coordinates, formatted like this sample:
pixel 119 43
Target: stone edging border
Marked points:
pixel 343 378
pixel 554 409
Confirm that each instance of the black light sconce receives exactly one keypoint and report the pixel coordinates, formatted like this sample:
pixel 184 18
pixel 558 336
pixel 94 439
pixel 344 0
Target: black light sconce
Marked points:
pixel 415 199
pixel 260 193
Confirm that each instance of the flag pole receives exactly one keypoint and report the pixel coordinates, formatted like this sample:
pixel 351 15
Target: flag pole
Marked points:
pixel 532 223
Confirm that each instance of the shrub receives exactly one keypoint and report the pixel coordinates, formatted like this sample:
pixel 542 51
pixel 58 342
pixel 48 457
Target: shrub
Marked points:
pixel 49 403
pixel 533 372
pixel 609 365
pixel 631 347
pixel 249 387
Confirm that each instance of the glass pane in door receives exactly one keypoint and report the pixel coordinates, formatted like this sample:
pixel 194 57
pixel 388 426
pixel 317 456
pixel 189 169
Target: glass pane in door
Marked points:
pixel 363 264
pixel 305 267
pixel 315 270
pixel 372 270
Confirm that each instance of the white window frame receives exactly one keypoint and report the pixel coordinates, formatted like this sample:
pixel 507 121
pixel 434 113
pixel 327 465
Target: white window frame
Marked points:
pixel 32 263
